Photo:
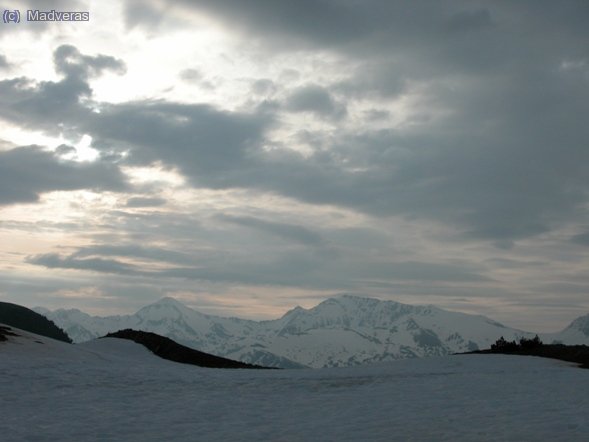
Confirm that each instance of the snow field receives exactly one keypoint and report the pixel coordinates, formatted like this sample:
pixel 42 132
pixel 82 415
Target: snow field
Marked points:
pixel 116 390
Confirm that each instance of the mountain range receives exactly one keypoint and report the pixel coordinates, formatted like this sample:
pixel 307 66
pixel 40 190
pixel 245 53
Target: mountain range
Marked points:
pixel 341 331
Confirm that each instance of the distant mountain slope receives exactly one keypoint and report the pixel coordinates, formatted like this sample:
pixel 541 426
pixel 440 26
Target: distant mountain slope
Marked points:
pixel 341 331
pixel 168 349
pixel 26 319
pixel 576 333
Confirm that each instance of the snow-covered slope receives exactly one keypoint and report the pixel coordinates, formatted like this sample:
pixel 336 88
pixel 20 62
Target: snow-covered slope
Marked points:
pixel 342 331
pixel 115 390
pixel 37 349
pixel 576 333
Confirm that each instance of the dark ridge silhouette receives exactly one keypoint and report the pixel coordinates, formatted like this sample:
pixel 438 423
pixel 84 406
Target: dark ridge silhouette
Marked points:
pixel 28 320
pixel 6 331
pixel 578 354
pixel 168 349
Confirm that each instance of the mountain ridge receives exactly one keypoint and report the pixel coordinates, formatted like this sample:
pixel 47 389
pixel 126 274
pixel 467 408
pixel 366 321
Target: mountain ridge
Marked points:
pixel 339 331
pixel 29 320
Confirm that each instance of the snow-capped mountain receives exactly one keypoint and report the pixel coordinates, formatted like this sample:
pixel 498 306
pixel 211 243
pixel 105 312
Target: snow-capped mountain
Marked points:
pixel 347 330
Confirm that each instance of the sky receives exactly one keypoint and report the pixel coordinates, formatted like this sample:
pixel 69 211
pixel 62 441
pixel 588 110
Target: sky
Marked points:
pixel 245 157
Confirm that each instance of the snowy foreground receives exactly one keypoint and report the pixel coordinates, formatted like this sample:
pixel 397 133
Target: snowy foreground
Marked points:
pixel 112 389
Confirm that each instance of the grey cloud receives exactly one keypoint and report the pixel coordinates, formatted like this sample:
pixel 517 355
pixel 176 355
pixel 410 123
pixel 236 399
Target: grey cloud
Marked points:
pixel 43 105
pixel 6 145
pixel 375 79
pixel 362 28
pixel 506 263
pixel 55 261
pixel 145 202
pixel 71 63
pixel 564 287
pixel 26 172
pixel 134 251
pixel 4 63
pixel 129 293
pixel 140 12
pixel 195 76
pixel 284 230
pixel 505 162
pixel 505 165
pixel 494 147
pixel 191 75
pixel 287 22
pixel 48 104
pixel 309 267
pixel 313 272
pixel 377 114
pixel 418 271
pixel 199 139
pixel 469 20
pixel 316 99
pixel 494 186
pixel 64 149
pixel 278 273
pixel 43 226
pixel 263 86
pixel 581 239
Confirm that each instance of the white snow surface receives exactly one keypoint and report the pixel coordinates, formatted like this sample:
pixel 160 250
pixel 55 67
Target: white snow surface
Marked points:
pixel 116 390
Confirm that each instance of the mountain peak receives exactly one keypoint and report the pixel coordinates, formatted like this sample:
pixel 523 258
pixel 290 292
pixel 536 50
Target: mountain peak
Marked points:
pixel 581 324
pixel 172 306
pixel 359 299
pixel 169 301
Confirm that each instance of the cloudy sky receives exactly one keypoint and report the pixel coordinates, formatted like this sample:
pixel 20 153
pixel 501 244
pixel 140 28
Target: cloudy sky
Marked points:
pixel 249 156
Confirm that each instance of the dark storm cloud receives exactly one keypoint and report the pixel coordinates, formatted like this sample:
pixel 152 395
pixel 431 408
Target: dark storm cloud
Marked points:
pixel 26 172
